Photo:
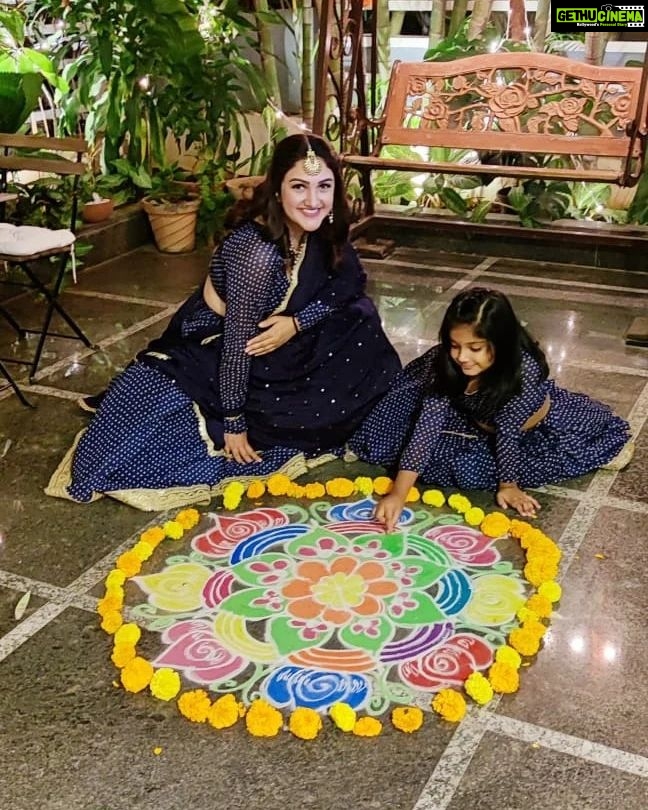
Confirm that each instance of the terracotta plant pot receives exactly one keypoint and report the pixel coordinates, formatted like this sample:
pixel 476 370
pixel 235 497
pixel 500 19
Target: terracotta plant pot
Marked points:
pixel 243 187
pixel 97 210
pixel 173 223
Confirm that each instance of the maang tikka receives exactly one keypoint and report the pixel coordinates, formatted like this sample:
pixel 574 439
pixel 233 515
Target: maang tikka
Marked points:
pixel 312 163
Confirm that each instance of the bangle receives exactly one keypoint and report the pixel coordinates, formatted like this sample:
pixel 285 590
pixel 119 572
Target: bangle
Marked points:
pixel 295 323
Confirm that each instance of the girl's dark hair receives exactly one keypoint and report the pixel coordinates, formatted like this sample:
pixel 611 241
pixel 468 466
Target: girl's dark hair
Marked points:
pixel 265 204
pixel 491 316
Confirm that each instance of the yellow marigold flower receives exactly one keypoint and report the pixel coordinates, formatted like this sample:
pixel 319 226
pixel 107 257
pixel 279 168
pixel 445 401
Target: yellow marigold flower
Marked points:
pixel 547 555
pixel 314 490
pixel 188 518
pixel 551 590
pixel 450 704
pixel 382 485
pixel 523 641
pixel 540 605
pixel 367 727
pixel 343 716
pixel 474 516
pixel 478 687
pixel 278 484
pixel 165 684
pixel 296 490
pixel 364 485
pixel 519 528
pixel 534 626
pixel 194 705
pixel 263 720
pixel 128 634
pixel 525 614
pixel 507 655
pixel 538 572
pixel 110 603
pixel 339 487
pixel 305 723
pixel 231 502
pixel 225 711
pixel 256 490
pixel 154 536
pixel 173 529
pixel 533 537
pixel 122 654
pixel 115 590
pixel 129 563
pixel 142 550
pixel 407 718
pixel 112 621
pixel 504 678
pixel 459 503
pixel 115 578
pixel 434 497
pixel 413 495
pixel 136 675
pixel 495 524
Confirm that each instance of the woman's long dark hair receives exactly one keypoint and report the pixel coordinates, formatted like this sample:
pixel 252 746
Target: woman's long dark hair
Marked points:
pixel 265 203
pixel 491 316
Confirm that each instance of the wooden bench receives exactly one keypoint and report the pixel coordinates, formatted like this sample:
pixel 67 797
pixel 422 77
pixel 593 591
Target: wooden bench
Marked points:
pixel 541 116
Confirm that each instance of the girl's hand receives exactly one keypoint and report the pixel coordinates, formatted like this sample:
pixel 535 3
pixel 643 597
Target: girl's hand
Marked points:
pixel 278 330
pixel 511 496
pixel 389 509
pixel 238 448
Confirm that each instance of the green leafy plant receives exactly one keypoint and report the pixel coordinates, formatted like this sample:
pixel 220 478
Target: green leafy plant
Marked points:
pixel 22 72
pixel 539 201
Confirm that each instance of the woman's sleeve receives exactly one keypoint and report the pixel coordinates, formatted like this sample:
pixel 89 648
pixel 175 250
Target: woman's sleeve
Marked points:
pixel 431 419
pixel 245 261
pixel 344 286
pixel 512 416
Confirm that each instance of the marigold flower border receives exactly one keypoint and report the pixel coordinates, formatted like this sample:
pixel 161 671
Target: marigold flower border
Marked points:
pixel 262 719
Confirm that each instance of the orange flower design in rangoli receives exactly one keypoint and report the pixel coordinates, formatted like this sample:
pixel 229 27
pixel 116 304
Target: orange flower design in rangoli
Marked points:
pixel 339 590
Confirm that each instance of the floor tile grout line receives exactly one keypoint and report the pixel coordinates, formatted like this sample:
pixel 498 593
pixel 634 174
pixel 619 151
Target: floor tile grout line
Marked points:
pixel 108 341
pixel 569 744
pixel 453 763
pixel 75 591
pixel 538 280
pixel 126 299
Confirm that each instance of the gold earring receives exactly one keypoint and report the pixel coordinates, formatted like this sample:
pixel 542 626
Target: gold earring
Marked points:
pixel 331 216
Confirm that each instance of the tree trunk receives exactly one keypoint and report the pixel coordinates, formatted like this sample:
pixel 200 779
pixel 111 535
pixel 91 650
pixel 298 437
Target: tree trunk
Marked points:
pixel 541 24
pixel 517 21
pixel 479 18
pixel 437 23
pixel 308 62
pixel 266 52
pixel 383 34
pixel 595 44
pixel 458 16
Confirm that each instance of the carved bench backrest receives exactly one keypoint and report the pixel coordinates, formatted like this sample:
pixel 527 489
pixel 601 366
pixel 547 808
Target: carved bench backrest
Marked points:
pixel 518 102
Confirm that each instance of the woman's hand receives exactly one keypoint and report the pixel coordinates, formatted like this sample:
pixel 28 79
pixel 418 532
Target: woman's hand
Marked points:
pixel 389 509
pixel 238 448
pixel 511 496
pixel 278 330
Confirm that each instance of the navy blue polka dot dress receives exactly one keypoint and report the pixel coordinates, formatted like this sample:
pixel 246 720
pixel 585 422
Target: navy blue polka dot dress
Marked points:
pixel 157 439
pixel 441 441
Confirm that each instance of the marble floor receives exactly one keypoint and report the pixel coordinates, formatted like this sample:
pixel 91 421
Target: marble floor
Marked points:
pixel 576 734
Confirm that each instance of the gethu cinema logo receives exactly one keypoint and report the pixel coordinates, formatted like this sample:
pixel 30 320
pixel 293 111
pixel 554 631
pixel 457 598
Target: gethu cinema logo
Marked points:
pixel 603 16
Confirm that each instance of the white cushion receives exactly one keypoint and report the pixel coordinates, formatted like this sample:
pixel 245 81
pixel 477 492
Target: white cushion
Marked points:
pixel 27 240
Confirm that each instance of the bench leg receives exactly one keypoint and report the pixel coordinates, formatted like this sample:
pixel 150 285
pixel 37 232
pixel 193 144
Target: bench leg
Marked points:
pixel 5 373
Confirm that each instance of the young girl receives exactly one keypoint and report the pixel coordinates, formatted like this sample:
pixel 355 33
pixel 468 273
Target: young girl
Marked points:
pixel 478 411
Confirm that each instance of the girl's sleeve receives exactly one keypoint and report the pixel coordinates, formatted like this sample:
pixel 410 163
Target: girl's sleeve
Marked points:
pixel 343 287
pixel 510 418
pixel 431 420
pixel 246 263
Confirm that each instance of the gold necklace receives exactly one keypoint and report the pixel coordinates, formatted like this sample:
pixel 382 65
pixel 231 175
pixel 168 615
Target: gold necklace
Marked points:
pixel 294 254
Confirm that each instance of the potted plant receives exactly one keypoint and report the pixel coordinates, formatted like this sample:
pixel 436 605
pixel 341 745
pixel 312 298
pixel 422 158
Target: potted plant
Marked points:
pixel 173 212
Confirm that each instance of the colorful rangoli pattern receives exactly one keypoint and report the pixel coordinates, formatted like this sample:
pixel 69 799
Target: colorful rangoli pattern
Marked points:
pixel 316 606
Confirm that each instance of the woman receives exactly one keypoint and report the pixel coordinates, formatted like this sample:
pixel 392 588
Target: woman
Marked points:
pixel 270 367
pixel 479 411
